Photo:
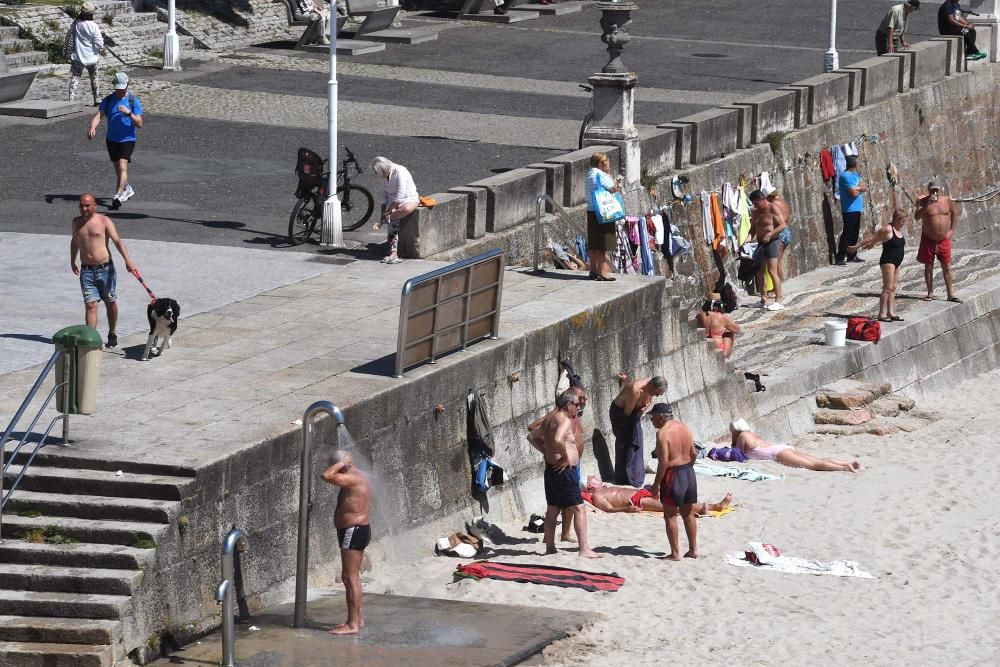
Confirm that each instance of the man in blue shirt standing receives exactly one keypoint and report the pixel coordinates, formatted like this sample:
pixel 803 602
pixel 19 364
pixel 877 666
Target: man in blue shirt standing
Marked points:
pixel 851 206
pixel 124 114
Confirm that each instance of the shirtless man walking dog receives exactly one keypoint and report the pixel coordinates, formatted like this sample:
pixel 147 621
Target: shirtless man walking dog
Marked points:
pixel 353 532
pixel 938 216
pixel 675 478
pixel 555 437
pixel 92 232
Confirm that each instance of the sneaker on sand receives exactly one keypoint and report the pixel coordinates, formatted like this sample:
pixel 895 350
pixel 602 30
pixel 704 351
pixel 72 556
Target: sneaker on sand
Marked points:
pixel 112 340
pixel 774 306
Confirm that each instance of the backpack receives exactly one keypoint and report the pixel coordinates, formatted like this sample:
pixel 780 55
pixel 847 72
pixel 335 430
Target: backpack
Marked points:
pixel 69 42
pixel 727 294
pixel 864 329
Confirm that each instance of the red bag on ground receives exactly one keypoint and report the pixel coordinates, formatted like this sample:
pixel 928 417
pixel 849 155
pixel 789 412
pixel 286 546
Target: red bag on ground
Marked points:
pixel 864 328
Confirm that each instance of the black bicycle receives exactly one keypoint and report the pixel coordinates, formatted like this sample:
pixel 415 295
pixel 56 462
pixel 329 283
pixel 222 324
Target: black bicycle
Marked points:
pixel 588 120
pixel 356 201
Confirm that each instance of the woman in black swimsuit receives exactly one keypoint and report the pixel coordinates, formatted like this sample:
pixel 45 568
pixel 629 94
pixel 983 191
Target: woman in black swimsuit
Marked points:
pixel 893 243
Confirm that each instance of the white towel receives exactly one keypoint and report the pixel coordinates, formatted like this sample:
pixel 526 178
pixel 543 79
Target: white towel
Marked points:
pixel 793 565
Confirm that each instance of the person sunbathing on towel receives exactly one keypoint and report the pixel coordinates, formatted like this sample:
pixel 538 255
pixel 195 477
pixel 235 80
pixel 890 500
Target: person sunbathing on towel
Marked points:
pixel 758 449
pixel 609 498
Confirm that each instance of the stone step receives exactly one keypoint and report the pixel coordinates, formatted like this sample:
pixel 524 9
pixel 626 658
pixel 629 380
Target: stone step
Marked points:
pixel 8 31
pixel 92 507
pixel 844 417
pixel 26 654
pixel 26 58
pixel 125 533
pixel 59 630
pixel 847 394
pixel 112 7
pixel 70 605
pixel 114 556
pixel 136 19
pixel 48 578
pixel 892 405
pixel 99 482
pixel 15 45
pixel 56 457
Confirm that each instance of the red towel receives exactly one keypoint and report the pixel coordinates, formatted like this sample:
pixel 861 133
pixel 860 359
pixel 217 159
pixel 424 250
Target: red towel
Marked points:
pixel 542 574
pixel 826 164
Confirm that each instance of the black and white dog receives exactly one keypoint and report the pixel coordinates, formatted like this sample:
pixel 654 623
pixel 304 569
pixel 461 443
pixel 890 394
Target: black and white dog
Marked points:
pixel 162 315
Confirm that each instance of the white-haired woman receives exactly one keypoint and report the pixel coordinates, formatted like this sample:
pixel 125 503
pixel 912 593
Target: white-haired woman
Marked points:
pixel 758 449
pixel 398 199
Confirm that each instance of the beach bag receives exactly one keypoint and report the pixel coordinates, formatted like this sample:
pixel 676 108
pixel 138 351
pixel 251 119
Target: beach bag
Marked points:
pixel 864 329
pixel 608 207
pixel 69 42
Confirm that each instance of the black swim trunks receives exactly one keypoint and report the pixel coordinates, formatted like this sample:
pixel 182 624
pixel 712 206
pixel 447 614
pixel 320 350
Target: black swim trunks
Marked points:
pixel 562 488
pixel 355 537
pixel 679 486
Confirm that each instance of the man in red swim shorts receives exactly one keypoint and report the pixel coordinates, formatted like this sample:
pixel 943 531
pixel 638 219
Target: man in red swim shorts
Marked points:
pixel 938 217
pixel 675 478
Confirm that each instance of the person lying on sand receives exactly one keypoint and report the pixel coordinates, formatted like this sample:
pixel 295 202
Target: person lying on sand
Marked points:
pixel 758 449
pixel 610 498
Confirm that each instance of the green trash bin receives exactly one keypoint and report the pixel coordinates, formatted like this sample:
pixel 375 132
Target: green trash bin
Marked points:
pixel 83 344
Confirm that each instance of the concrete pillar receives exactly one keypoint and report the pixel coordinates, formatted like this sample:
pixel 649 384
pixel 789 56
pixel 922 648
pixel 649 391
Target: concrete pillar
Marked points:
pixel 613 106
pixel 989 15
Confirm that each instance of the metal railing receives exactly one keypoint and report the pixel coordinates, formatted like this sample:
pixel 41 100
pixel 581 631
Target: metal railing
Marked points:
pixel 448 308
pixel 225 593
pixel 538 227
pixel 5 495
pixel 305 505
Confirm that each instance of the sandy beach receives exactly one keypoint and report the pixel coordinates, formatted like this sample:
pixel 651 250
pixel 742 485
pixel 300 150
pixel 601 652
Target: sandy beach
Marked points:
pixel 920 519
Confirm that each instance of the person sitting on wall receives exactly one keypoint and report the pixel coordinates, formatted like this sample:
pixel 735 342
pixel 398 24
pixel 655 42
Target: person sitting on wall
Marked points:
pixel 950 22
pixel 717 325
pixel 889 36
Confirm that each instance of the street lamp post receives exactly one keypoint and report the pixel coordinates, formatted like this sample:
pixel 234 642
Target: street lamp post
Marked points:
pixel 171 45
pixel 332 231
pixel 831 59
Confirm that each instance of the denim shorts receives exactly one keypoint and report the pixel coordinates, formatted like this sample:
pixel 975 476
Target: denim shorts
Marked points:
pixel 98 283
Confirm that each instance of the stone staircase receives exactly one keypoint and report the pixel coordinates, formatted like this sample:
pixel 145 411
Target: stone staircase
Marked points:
pixel 19 52
pixel 135 33
pixel 77 542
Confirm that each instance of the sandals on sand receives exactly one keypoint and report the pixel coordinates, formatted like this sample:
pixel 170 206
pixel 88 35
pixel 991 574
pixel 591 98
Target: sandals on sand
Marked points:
pixel 954 299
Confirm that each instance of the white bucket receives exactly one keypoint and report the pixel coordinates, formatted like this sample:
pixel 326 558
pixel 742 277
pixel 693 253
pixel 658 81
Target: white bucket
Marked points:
pixel 836 333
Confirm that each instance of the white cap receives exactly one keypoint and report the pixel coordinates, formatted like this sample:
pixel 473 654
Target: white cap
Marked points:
pixel 120 80
pixel 768 190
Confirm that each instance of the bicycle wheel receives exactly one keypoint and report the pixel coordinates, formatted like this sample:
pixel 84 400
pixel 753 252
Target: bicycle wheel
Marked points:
pixel 356 206
pixel 302 222
pixel 587 122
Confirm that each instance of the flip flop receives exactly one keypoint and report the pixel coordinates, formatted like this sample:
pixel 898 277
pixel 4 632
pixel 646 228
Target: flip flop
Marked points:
pixel 955 299
pixel 928 298
pixel 885 319
pixel 896 318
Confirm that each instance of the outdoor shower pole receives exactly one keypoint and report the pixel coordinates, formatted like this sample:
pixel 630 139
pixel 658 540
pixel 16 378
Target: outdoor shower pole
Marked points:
pixel 305 505
pixel 225 593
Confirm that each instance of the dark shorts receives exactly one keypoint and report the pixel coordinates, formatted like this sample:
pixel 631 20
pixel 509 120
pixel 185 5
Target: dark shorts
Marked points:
pixel 679 487
pixel 562 488
pixel 771 249
pixel 600 237
pixel 120 150
pixel 355 537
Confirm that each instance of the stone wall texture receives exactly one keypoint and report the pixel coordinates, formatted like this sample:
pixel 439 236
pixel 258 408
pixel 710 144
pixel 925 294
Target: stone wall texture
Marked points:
pixel 225 24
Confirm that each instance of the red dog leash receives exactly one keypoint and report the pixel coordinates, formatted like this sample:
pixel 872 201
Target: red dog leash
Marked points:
pixel 152 297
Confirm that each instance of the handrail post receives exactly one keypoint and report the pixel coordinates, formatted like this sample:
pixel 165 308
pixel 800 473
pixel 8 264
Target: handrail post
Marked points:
pixel 66 392
pixel 17 417
pixel 305 505
pixel 538 228
pixel 235 539
pixel 224 594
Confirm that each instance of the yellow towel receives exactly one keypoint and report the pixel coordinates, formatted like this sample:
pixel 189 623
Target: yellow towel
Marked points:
pixel 722 512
